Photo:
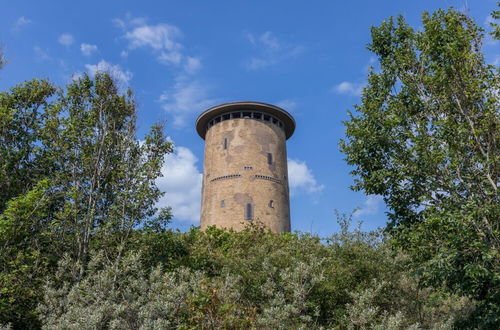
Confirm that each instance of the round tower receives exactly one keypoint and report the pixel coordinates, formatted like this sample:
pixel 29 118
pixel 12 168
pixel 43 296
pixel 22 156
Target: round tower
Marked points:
pixel 245 173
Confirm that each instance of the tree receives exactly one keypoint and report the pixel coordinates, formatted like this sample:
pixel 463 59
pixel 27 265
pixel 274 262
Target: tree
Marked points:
pixel 496 27
pixel 72 171
pixel 425 137
pixel 104 177
pixel 21 119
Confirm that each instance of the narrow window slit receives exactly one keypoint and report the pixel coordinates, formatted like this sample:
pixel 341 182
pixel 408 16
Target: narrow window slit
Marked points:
pixel 249 211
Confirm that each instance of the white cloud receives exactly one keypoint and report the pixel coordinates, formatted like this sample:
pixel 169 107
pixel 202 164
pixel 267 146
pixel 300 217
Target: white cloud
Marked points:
pixel 269 40
pixel 159 37
pixel 167 58
pixel 270 50
pixel 66 39
pixel 182 185
pixel 192 65
pixel 88 49
pixel 371 206
pixel 300 177
pixel 346 87
pixel 119 23
pixel 163 40
pixel 41 55
pixel 128 21
pixel 187 96
pixel 21 22
pixel 185 99
pixel 122 77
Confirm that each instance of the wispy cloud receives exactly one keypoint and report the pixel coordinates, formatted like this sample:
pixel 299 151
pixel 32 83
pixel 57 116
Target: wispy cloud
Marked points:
pixel 88 49
pixel 162 39
pixel 301 178
pixel 66 39
pixel 270 50
pixel 349 88
pixel 159 37
pixel 182 185
pixel 192 64
pixel 128 21
pixel 41 55
pixel 21 22
pixel 371 206
pixel 186 98
pixel 121 76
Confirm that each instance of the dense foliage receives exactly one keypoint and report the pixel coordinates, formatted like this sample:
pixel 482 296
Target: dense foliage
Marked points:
pixel 71 172
pixel 251 279
pixel 425 137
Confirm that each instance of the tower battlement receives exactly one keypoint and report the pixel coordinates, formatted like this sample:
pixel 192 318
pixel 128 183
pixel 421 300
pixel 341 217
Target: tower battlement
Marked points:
pixel 245 175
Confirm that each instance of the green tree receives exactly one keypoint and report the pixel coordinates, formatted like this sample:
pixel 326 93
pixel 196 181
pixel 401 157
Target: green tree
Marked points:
pixel 26 254
pixel 72 172
pixel 425 137
pixel 104 176
pixel 21 155
pixel 496 27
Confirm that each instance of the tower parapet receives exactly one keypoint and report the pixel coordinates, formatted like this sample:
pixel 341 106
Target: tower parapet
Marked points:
pixel 245 175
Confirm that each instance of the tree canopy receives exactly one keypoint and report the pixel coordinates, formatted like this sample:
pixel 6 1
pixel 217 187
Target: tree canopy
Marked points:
pixel 425 137
pixel 72 171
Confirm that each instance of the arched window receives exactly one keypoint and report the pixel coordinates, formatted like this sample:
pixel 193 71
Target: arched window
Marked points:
pixel 269 158
pixel 249 211
pixel 271 203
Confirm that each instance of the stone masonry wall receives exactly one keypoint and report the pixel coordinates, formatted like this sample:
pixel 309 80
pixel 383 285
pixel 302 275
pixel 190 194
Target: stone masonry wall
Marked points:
pixel 241 174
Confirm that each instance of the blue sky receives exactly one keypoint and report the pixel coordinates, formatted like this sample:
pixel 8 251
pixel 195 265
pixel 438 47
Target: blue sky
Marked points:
pixel 181 57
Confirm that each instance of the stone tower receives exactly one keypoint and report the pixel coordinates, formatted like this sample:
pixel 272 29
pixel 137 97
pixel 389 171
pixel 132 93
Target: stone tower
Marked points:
pixel 245 175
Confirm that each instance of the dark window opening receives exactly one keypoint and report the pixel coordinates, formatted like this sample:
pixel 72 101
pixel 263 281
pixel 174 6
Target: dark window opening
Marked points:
pixel 257 115
pixel 236 115
pixel 226 117
pixel 269 158
pixel 271 203
pixel 217 120
pixel 222 203
pixel 225 143
pixel 267 117
pixel 249 211
pixel 275 121
pixel 247 115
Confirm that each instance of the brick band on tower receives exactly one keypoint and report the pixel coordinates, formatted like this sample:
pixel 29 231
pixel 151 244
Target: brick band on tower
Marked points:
pixel 245 173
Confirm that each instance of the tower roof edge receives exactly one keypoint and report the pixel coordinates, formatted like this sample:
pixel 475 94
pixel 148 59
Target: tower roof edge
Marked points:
pixel 206 116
